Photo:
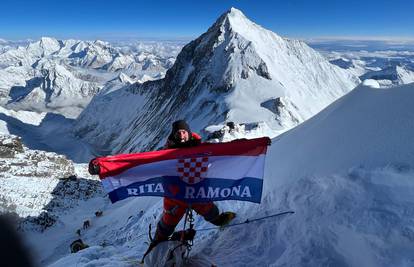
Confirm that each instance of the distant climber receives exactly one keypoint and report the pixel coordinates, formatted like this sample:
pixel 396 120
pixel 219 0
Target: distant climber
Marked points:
pixel 86 224
pixel 181 136
pixel 98 213
pixel 77 245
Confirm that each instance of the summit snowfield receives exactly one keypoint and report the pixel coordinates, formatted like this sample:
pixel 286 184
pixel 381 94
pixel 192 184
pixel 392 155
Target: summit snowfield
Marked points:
pixel 236 71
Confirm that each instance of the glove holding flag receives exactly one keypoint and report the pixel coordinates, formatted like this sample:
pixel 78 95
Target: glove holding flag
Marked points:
pixel 204 173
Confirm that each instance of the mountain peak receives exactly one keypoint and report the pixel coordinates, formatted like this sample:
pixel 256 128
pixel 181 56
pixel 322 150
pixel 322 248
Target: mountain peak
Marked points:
pixel 234 12
pixel 235 71
pixel 234 16
pixel 45 46
pixel 49 42
pixel 234 20
pixel 46 39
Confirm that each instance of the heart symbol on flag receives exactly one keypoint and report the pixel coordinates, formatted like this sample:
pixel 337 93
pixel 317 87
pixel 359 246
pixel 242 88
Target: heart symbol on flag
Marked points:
pixel 174 189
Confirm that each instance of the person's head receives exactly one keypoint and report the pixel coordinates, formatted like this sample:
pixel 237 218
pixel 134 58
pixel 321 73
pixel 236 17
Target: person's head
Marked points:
pixel 181 131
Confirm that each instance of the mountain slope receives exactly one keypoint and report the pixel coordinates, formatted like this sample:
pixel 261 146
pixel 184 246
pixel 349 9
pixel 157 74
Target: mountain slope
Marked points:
pixel 236 71
pixel 368 127
pixel 347 174
pixel 45 131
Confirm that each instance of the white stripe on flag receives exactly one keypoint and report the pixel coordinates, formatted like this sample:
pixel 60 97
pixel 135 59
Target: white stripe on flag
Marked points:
pixel 223 167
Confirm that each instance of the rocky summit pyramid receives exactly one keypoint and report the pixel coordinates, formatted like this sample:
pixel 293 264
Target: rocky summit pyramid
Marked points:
pixel 236 71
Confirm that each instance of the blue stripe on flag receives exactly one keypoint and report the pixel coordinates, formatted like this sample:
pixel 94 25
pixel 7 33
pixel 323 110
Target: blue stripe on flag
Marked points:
pixel 209 189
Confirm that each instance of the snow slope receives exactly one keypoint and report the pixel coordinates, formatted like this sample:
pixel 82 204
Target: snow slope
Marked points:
pixel 45 131
pixel 368 127
pixel 236 71
pixel 347 173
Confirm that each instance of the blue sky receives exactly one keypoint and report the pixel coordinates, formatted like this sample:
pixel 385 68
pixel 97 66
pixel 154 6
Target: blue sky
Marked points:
pixel 117 19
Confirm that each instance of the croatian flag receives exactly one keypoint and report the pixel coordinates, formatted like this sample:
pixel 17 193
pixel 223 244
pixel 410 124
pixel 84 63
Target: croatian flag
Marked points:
pixel 204 173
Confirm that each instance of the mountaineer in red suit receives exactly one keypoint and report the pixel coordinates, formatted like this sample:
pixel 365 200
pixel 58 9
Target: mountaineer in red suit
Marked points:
pixel 181 137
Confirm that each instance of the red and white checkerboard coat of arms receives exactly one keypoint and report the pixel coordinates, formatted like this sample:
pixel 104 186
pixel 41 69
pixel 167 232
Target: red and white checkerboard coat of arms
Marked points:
pixel 192 170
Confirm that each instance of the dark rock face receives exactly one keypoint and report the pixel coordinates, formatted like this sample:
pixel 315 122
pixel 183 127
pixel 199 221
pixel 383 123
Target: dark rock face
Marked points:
pixel 262 71
pixel 274 105
pixel 390 73
pixel 21 168
pixel 278 106
pixel 66 195
pixel 342 63
pixel 9 147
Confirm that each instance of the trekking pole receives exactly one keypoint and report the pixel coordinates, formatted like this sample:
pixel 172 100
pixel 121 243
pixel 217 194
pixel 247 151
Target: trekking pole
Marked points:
pixel 248 221
pixel 188 210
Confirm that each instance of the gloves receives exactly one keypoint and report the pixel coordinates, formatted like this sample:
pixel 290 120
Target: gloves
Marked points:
pixel 93 168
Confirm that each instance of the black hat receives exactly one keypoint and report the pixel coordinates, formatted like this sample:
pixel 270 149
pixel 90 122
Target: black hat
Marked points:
pixel 180 125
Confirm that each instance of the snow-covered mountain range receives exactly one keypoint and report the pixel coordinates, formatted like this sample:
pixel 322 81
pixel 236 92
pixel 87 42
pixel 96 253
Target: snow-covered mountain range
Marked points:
pixel 391 75
pixel 388 67
pixel 236 71
pixel 62 76
pixel 341 154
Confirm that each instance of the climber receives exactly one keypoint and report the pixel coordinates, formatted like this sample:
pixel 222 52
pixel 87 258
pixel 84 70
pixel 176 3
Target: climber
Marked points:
pixel 181 136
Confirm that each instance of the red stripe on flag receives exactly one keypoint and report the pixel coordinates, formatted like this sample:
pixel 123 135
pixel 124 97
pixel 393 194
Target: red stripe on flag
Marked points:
pixel 113 165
